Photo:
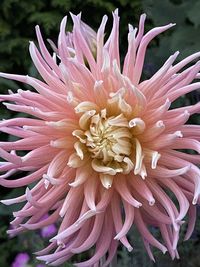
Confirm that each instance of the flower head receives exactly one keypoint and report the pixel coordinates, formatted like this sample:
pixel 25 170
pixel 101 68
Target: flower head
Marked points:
pixel 103 147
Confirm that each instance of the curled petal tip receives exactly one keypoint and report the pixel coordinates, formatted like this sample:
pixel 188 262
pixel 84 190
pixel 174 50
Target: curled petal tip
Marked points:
pixel 152 202
pixel 139 205
pixel 164 250
pixel 195 200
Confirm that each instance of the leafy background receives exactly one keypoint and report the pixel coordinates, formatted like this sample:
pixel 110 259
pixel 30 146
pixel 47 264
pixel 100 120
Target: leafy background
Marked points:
pixel 17 21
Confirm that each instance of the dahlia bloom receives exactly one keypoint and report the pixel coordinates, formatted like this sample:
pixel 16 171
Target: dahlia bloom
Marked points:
pixel 102 146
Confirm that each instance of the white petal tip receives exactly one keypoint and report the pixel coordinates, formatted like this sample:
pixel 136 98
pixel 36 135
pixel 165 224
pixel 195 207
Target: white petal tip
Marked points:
pixel 152 202
pixel 108 186
pixel 129 248
pixel 144 15
pixel 4 202
pixel 73 184
pixel 194 201
pixel 164 250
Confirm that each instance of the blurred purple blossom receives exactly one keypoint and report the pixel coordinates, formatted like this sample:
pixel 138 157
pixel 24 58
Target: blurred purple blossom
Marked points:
pixel 48 231
pixel 21 260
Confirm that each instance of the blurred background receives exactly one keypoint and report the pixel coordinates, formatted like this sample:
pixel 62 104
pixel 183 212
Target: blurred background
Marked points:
pixel 17 21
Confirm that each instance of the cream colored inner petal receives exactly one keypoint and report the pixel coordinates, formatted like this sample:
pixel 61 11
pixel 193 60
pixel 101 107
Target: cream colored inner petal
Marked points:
pixel 138 125
pixel 109 140
pixel 106 180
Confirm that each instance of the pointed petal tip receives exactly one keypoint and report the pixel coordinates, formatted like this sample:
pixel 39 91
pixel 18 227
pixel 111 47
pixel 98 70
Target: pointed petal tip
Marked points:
pixel 116 11
pixel 31 43
pixel 5 75
pixel 116 237
pixel 2 73
pixel 164 250
pixel 4 201
pixel 36 253
pixel 74 17
pixel 40 258
pixel 53 239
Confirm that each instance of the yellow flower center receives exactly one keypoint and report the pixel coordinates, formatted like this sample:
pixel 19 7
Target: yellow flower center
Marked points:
pixel 109 140
pixel 106 141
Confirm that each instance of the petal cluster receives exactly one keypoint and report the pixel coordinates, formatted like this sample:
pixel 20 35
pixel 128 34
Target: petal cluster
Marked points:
pixel 103 149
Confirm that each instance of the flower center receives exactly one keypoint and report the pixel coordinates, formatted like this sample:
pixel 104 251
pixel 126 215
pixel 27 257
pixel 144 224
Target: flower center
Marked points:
pixel 110 141
pixel 106 140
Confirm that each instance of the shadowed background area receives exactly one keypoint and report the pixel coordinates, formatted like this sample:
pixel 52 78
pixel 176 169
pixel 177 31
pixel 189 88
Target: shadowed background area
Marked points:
pixel 17 21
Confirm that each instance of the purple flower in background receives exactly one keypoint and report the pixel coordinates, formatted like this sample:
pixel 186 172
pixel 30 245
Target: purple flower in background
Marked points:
pixel 48 231
pixel 21 260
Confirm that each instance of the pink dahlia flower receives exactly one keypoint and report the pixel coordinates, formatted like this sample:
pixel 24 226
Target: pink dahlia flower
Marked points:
pixel 103 147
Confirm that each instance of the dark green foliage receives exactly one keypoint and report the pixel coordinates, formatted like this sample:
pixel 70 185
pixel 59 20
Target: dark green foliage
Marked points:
pixel 19 17
pixel 184 37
